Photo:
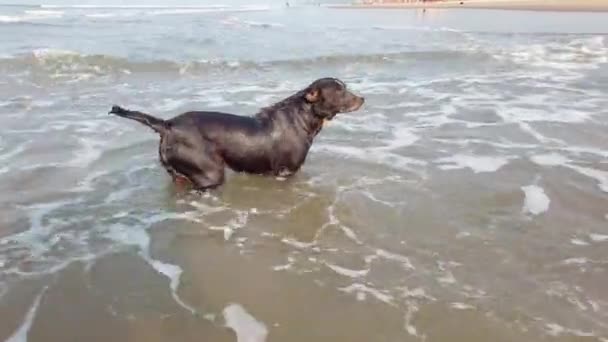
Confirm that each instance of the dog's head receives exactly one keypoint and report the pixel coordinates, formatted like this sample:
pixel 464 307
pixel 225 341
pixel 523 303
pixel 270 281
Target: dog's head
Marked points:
pixel 329 97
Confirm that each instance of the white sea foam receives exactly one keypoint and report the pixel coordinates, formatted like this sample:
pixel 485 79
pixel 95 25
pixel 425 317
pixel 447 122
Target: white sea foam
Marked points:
pixel 536 201
pixel 579 53
pixel 127 235
pixel 20 335
pixel 600 176
pixel 403 260
pixel 262 24
pixel 461 306
pixel 171 104
pixel 402 136
pixel 44 13
pixel 177 11
pixel 217 7
pixel 202 9
pixel 216 101
pixel 551 159
pixel 417 293
pixel 10 19
pixel 35 238
pixel 90 150
pixel 47 232
pixel 350 234
pixel 31 15
pixel 361 291
pixel 555 329
pixel 545 113
pixel 120 6
pixel 137 236
pixel 102 15
pixel 477 164
pixel 43 54
pixel 415 28
pixel 412 308
pixel 288 265
pixel 347 271
pixel 297 244
pixel 373 155
pixel 7 156
pixel 598 237
pixel 173 272
pixel 246 327
pixel 373 198
pixel 447 278
pixel 575 261
pixel 579 242
pixel 372 123
pixel 233 225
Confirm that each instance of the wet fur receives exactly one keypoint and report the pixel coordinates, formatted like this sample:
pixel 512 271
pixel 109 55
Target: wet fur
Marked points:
pixel 198 145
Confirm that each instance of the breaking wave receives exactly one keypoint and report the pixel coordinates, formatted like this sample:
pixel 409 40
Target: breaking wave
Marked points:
pixel 61 63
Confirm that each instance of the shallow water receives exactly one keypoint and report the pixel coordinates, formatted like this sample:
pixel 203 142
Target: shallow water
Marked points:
pixel 467 201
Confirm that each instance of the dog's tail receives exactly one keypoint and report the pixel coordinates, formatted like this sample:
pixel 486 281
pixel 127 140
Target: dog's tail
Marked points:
pixel 158 125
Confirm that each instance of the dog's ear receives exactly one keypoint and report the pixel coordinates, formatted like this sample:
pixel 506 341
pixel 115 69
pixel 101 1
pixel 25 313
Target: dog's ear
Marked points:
pixel 312 95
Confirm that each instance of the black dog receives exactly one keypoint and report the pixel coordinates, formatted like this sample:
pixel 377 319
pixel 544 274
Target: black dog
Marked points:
pixel 198 145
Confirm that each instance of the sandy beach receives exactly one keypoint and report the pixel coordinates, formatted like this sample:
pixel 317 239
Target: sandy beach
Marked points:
pixel 528 5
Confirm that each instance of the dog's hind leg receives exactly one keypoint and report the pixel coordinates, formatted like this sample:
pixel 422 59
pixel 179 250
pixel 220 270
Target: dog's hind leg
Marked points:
pixel 206 181
pixel 203 176
pixel 200 163
pixel 181 181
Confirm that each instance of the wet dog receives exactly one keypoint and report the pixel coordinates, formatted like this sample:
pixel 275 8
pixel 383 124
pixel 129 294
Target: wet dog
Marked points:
pixel 197 146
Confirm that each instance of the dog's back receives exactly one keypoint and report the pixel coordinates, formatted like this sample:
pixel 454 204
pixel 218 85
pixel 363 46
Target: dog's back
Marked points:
pixel 260 144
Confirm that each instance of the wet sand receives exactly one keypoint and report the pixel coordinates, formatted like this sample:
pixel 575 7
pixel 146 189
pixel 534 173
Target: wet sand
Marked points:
pixel 121 298
pixel 527 5
pixel 300 280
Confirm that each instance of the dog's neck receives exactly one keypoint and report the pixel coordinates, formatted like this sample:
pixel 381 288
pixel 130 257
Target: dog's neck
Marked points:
pixel 311 122
pixel 303 113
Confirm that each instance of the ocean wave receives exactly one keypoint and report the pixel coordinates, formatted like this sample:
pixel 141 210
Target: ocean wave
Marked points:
pixel 127 6
pixel 196 10
pixel 31 15
pixel 415 28
pixel 45 12
pixel 105 15
pixel 579 53
pixel 234 21
pixel 56 63
pixel 160 9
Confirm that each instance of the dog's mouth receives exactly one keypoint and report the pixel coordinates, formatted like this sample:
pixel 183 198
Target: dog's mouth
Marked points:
pixel 330 117
pixel 356 104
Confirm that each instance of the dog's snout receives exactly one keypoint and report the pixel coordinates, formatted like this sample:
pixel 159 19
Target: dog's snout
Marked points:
pixel 355 102
pixel 360 100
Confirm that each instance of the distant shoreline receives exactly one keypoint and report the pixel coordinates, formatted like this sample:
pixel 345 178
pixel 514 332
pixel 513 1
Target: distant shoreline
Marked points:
pixel 526 5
